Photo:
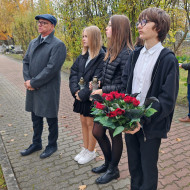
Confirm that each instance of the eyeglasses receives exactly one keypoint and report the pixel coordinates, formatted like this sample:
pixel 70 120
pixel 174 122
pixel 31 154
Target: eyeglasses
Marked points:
pixel 109 25
pixel 143 22
pixel 41 22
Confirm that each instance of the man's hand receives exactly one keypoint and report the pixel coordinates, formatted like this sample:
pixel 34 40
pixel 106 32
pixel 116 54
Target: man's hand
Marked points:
pixel 135 130
pixel 28 85
pixel 180 65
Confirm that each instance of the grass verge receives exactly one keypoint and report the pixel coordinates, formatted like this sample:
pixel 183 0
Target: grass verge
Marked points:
pixel 2 181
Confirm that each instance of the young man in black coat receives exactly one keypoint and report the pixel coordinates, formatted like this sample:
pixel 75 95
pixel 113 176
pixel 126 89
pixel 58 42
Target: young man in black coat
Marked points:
pixel 152 71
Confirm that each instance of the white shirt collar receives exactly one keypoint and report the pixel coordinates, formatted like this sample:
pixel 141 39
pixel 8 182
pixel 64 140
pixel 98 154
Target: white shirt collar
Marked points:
pixel 152 49
pixel 44 37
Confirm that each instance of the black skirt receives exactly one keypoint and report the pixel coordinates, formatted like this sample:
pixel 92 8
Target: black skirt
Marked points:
pixel 84 108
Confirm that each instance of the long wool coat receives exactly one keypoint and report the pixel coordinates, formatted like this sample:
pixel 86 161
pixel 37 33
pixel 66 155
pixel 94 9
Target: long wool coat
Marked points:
pixel 42 66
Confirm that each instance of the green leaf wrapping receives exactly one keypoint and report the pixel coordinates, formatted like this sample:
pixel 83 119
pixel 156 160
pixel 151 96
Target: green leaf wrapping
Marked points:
pixel 118 130
pixel 150 112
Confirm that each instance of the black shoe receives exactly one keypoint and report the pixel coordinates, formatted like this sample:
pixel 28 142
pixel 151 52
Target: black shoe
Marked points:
pixel 101 169
pixel 48 152
pixel 111 173
pixel 32 148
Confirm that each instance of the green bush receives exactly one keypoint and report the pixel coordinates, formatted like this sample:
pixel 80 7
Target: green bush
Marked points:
pixel 183 59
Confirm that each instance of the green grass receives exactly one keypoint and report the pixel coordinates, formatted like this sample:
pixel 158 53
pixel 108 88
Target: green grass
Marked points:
pixel 15 56
pixel 67 65
pixel 2 181
pixel 182 94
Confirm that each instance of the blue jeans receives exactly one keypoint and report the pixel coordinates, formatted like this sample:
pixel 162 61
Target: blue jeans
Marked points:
pixel 188 97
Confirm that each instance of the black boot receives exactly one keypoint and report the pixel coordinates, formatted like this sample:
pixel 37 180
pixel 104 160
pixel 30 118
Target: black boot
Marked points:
pixel 101 169
pixel 111 173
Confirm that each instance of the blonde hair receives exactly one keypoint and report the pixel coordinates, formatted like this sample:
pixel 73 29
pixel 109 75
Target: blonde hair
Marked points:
pixel 120 38
pixel 94 41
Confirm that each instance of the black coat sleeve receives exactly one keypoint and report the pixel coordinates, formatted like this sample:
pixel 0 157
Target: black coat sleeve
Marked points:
pixel 73 79
pixel 186 66
pixel 125 74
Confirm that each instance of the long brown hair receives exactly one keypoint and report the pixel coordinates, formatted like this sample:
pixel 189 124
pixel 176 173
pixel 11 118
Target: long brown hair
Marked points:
pixel 94 41
pixel 120 38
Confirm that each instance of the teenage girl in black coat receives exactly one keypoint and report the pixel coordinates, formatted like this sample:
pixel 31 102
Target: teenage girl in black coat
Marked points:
pixel 87 65
pixel 119 47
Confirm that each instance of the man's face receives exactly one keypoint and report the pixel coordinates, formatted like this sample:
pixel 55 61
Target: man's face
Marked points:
pixel 45 27
pixel 146 31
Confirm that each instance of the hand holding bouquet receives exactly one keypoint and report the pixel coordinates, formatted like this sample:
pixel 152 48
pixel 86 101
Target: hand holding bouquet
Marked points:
pixel 119 111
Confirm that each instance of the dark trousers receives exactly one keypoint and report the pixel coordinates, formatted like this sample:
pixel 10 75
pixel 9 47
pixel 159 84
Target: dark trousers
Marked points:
pixel 188 97
pixel 142 160
pixel 38 128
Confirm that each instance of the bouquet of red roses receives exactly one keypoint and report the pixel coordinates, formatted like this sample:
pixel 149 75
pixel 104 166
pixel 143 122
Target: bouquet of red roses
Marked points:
pixel 120 111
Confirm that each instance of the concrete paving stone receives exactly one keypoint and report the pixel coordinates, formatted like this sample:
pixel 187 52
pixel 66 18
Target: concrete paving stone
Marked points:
pixel 169 179
pixel 82 170
pixel 78 179
pixel 121 184
pixel 69 169
pixel 172 186
pixel 184 182
pixel 182 173
pixel 91 178
pixel 107 188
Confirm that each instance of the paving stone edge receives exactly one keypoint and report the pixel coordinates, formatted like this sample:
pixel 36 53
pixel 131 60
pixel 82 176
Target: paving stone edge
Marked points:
pixel 8 173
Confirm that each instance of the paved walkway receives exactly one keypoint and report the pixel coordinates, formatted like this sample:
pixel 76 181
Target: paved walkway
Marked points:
pixel 60 171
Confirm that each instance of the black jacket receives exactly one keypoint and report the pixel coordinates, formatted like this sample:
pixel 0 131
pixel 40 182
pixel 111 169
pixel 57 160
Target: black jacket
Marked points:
pixel 186 66
pixel 78 70
pixel 164 86
pixel 112 72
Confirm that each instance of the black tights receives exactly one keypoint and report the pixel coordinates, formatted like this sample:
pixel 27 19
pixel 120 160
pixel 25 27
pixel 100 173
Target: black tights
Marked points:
pixel 112 154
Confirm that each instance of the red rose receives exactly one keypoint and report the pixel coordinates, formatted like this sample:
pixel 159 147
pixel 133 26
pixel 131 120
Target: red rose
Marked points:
pixel 109 97
pixel 111 114
pixel 122 95
pixel 128 99
pixel 117 95
pixel 95 102
pixel 136 102
pixel 104 95
pixel 100 106
pixel 119 111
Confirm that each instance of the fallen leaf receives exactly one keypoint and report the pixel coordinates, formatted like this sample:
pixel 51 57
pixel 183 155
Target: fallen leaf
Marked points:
pixel 161 151
pixel 66 126
pixel 82 187
pixel 25 135
pixel 10 124
pixel 101 157
pixel 2 131
pixel 178 139
pixel 12 140
pixel 63 116
pixel 1 115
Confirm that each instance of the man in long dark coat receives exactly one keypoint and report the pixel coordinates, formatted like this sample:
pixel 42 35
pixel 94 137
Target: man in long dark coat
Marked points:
pixel 41 70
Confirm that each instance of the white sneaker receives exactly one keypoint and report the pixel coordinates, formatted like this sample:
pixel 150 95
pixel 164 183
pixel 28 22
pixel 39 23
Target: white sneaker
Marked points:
pixel 80 154
pixel 87 157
